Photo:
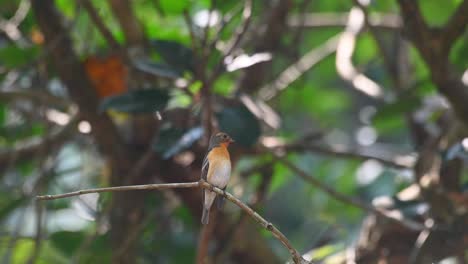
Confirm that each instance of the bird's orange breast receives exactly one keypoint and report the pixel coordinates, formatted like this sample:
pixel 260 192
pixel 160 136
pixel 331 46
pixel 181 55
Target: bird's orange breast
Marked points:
pixel 218 153
pixel 219 170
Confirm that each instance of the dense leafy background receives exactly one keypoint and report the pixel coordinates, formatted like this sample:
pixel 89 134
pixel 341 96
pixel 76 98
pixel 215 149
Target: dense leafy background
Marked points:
pixel 318 101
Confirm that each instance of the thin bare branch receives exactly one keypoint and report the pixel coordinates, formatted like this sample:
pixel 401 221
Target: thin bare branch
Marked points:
pixel 193 37
pixel 10 26
pixel 376 36
pixel 201 184
pixel 298 35
pixel 81 90
pixel 416 253
pixel 206 31
pixel 123 11
pixel 35 96
pixel 265 40
pixel 429 43
pixel 322 19
pixel 234 42
pixel 455 27
pixel 94 15
pixel 402 161
pixel 227 18
pixel 296 70
pixel 246 18
pixel 397 218
pixel 260 220
pixel 28 148
pixel 344 54
pixel 121 189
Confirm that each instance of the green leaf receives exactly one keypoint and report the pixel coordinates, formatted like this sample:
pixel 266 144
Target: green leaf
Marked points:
pixel 184 214
pixel 174 7
pixel 13 56
pixel 175 54
pixel 280 176
pixel 10 205
pixel 137 101
pixel 172 141
pixel 168 136
pixel 3 114
pixel 366 49
pixel 22 251
pixel 397 108
pixel 21 131
pixel 240 124
pixel 326 250
pixel 157 69
pixel 436 12
pixel 67 242
pixel 459 53
pixel 185 141
pixel 391 116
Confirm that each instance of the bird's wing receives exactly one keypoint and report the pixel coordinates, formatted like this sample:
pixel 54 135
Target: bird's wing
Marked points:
pixel 205 167
pixel 204 175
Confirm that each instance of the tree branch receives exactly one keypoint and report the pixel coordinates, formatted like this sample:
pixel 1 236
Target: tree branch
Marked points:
pixel 122 189
pixel 397 218
pixel 431 46
pixel 455 27
pixel 321 20
pixel 268 41
pixel 35 96
pixel 94 15
pixel 31 147
pixel 401 161
pixel 11 26
pixel 344 54
pixel 72 73
pixel 123 11
pixel 297 69
pixel 201 184
pixel 235 41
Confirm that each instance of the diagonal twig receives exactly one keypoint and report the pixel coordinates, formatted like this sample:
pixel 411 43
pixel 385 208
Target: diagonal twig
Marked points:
pixel 455 27
pixel 206 31
pixel 429 43
pixel 94 15
pixel 294 71
pixel 344 54
pixel 401 161
pixel 397 218
pixel 10 26
pixel 232 45
pixel 28 148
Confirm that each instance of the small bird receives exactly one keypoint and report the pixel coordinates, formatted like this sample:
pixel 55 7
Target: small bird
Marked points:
pixel 216 170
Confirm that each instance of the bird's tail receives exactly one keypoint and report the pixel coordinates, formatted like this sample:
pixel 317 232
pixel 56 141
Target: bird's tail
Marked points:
pixel 219 202
pixel 205 216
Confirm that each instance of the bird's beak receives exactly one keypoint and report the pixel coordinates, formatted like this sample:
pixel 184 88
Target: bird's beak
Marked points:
pixel 231 140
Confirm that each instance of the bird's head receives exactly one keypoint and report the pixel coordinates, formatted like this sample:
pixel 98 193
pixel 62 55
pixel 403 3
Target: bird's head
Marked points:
pixel 221 139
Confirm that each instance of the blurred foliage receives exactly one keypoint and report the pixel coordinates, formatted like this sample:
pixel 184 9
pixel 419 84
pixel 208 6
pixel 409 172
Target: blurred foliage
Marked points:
pixel 137 101
pixel 240 124
pixel 319 100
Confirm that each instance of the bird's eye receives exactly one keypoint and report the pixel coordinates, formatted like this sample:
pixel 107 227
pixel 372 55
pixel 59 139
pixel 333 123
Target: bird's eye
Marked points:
pixel 224 136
